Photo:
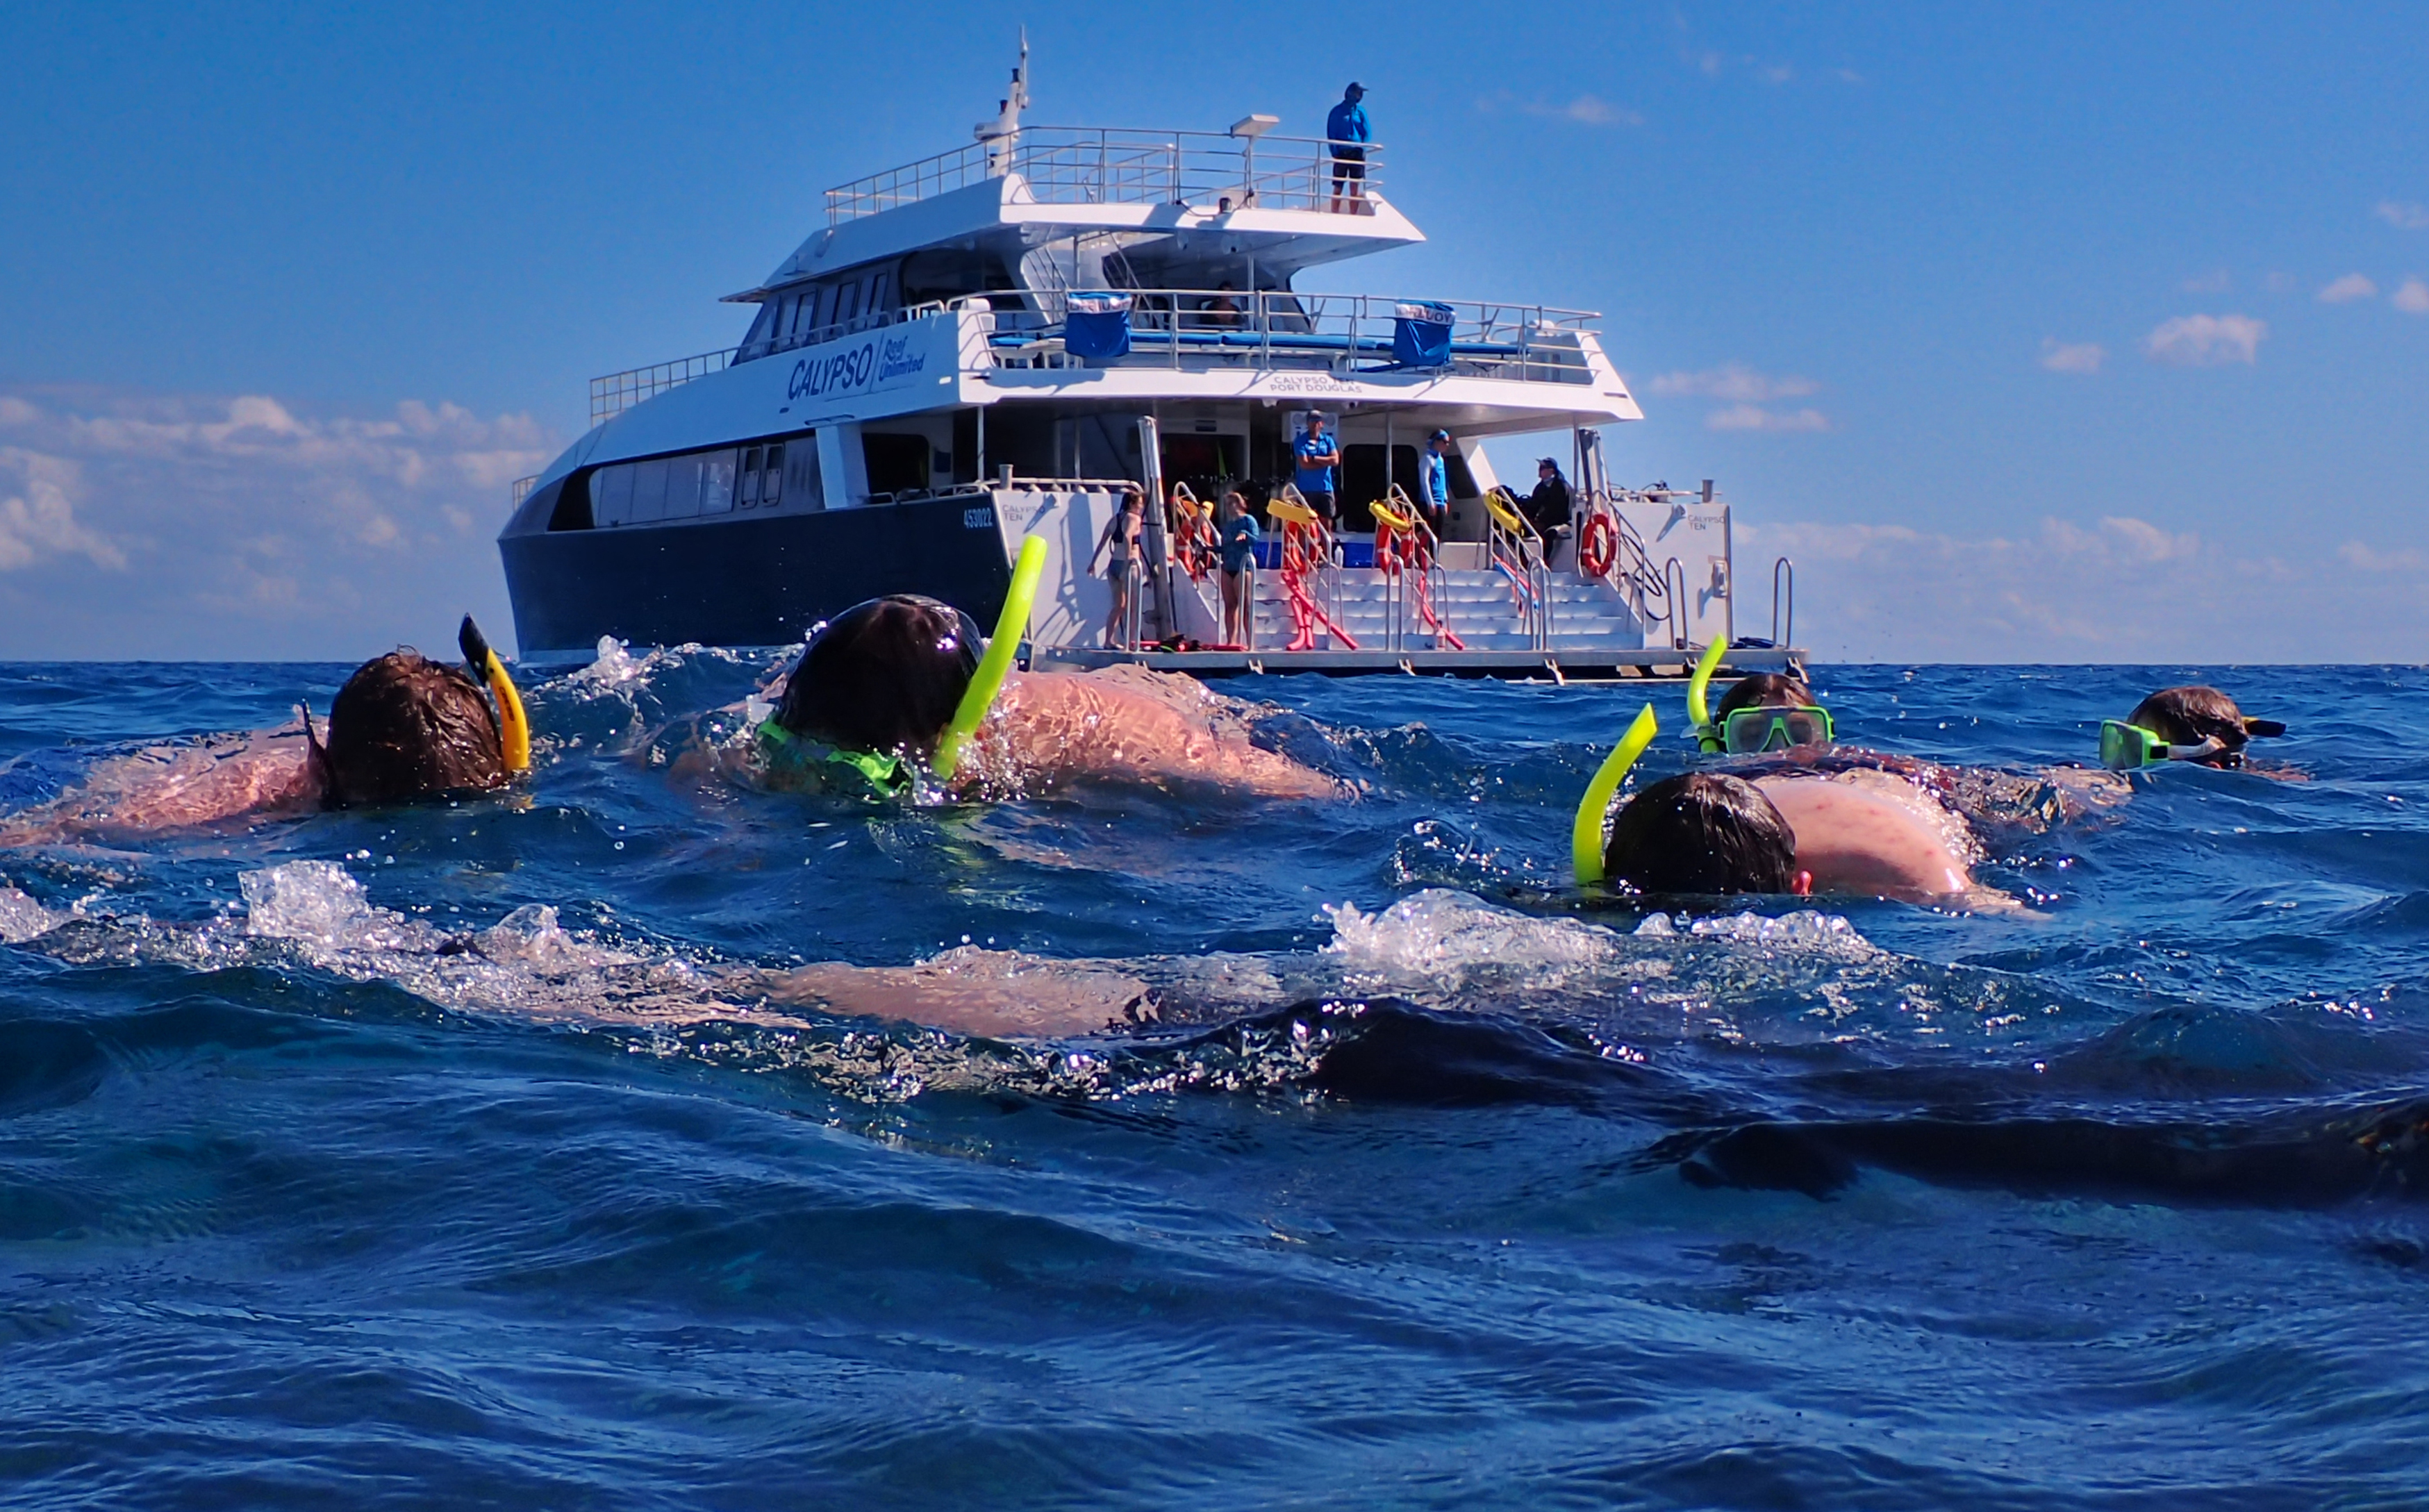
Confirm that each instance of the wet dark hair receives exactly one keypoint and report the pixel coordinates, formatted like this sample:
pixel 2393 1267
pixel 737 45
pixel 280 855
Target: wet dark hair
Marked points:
pixel 1764 690
pixel 2191 714
pixel 1702 833
pixel 405 727
pixel 883 676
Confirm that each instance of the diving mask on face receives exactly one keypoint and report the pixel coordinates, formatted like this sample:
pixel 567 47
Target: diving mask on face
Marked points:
pixel 990 663
pixel 1755 730
pixel 2126 748
pixel 887 774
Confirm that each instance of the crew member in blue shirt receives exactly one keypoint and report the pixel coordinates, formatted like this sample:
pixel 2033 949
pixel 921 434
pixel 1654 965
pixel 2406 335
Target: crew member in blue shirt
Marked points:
pixel 1433 493
pixel 1317 454
pixel 1347 130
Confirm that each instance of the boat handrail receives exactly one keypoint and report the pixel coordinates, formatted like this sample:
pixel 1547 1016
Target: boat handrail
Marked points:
pixel 1282 313
pixel 1273 328
pixel 1124 165
pixel 1488 338
pixel 614 393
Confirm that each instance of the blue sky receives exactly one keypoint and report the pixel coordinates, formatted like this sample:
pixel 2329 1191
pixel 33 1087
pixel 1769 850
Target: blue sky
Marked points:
pixel 2042 333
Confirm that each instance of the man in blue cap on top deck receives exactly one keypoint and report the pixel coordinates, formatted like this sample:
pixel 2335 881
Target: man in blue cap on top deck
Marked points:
pixel 1433 481
pixel 1347 130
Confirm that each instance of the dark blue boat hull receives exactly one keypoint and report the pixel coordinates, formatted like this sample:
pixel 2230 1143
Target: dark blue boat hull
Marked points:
pixel 742 580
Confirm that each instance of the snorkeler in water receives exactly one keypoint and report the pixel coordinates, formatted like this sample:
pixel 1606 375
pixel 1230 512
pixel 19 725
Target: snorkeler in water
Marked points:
pixel 1704 832
pixel 402 727
pixel 2193 723
pixel 905 678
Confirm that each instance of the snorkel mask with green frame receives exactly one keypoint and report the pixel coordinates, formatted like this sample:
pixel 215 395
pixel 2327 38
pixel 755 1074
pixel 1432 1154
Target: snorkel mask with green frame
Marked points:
pixel 891 775
pixel 1746 730
pixel 2126 748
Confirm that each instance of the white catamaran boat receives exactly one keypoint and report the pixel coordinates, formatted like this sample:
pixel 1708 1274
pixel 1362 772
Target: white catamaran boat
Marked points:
pixel 998 341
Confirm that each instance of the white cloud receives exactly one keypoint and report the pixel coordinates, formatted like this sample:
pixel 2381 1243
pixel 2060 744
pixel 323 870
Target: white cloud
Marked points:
pixel 2370 559
pixel 2207 340
pixel 2412 297
pixel 1733 381
pixel 1849 75
pixel 2404 214
pixel 1584 109
pixel 246 526
pixel 1776 74
pixel 2351 286
pixel 2279 281
pixel 2077 356
pixel 40 522
pixel 2118 589
pixel 2217 280
pixel 1755 418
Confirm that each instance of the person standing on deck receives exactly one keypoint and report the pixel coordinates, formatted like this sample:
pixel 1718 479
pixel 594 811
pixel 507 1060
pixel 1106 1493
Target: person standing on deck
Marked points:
pixel 1346 132
pixel 1316 454
pixel 1433 483
pixel 1122 538
pixel 1239 536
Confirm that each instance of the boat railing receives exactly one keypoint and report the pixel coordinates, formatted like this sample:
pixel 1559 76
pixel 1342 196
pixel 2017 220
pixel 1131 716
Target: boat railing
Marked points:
pixel 1123 165
pixel 617 393
pixel 1274 328
pixel 1676 600
pixel 1517 551
pixel 522 488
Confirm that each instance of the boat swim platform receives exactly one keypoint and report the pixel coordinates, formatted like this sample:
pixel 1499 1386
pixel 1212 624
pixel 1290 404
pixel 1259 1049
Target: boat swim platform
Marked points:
pixel 1564 665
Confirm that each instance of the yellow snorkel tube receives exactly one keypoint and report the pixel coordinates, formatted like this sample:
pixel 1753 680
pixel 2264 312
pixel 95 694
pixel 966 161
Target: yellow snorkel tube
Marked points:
pixel 1010 628
pixel 1585 835
pixel 514 726
pixel 1708 736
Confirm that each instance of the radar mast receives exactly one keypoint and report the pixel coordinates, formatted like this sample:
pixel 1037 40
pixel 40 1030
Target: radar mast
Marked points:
pixel 1001 136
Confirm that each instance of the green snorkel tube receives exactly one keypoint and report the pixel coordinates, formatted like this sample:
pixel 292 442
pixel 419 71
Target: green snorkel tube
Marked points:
pixel 1707 735
pixel 1010 628
pixel 1585 835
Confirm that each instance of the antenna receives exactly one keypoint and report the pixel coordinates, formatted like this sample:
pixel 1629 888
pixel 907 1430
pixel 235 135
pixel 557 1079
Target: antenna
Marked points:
pixel 1003 134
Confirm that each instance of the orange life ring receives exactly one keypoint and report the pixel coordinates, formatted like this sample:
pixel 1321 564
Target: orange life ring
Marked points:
pixel 1597 545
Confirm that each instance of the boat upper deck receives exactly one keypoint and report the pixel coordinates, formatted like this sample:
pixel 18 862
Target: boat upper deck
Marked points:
pixel 1123 165
pixel 1174 340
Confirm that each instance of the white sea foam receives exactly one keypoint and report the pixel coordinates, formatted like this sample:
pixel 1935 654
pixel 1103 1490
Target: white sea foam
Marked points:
pixel 526 965
pixel 1438 933
pixel 22 918
pixel 1805 927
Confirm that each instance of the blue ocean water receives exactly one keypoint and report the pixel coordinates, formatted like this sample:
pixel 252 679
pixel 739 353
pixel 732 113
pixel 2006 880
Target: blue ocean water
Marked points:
pixel 460 1156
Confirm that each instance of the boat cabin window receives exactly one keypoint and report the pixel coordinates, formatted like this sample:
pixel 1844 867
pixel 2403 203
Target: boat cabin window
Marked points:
pixel 700 483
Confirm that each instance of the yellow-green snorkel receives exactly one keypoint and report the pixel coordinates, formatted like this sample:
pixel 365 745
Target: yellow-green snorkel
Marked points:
pixel 1699 713
pixel 514 726
pixel 1010 628
pixel 1585 835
